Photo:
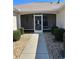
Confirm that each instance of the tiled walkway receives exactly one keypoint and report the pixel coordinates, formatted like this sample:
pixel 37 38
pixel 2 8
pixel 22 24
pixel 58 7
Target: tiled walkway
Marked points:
pixel 42 52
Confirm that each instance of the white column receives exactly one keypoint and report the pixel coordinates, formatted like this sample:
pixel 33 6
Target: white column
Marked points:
pixel 34 22
pixel 42 22
pixel 19 21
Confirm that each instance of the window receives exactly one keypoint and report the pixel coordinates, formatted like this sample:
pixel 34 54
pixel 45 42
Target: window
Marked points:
pixel 45 21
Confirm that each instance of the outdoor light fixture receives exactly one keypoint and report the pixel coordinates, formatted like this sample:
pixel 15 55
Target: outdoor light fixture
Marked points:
pixel 19 9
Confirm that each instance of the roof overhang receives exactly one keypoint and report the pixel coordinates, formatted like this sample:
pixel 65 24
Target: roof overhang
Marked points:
pixel 39 8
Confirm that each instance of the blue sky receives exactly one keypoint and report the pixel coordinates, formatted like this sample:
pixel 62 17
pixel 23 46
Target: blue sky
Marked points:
pixel 16 2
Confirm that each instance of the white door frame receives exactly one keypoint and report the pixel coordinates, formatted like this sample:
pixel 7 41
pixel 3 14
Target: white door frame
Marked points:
pixel 41 24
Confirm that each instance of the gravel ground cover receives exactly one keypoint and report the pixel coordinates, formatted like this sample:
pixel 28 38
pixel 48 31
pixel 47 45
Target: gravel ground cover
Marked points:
pixel 54 47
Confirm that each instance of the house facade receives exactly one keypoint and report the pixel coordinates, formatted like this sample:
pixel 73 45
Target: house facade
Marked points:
pixel 39 17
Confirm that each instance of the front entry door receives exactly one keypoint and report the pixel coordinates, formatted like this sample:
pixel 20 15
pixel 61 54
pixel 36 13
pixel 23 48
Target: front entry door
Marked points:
pixel 38 23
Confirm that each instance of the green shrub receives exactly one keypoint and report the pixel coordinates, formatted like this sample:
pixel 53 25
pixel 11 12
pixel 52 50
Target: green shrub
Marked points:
pixel 22 30
pixel 52 30
pixel 58 33
pixel 62 30
pixel 16 35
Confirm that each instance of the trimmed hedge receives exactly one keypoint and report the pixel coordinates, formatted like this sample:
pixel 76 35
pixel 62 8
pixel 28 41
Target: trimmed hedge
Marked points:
pixel 58 33
pixel 16 35
pixel 55 27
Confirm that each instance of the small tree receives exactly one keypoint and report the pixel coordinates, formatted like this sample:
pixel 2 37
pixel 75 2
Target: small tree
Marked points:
pixel 58 1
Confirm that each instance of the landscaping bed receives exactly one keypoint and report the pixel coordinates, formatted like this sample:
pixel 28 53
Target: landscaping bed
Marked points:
pixel 56 49
pixel 19 45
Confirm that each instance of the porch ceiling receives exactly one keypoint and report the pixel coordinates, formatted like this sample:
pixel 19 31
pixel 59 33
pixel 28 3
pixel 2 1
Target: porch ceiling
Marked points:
pixel 40 7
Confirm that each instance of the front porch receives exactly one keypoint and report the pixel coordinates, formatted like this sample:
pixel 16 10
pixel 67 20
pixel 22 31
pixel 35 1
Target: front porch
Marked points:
pixel 38 17
pixel 37 22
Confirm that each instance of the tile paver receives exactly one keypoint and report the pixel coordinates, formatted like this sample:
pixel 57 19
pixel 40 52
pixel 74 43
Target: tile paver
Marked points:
pixel 42 52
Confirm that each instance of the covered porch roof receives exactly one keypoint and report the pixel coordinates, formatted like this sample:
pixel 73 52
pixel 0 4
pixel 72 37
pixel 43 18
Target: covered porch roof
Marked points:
pixel 39 7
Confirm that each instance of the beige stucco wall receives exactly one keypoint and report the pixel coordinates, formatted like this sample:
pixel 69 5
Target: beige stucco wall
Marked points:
pixel 60 18
pixel 14 21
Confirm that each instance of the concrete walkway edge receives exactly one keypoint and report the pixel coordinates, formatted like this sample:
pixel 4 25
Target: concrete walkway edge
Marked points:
pixel 30 50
